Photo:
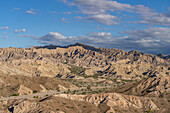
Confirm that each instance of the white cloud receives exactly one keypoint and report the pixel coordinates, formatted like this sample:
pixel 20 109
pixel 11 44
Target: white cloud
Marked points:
pixel 5 32
pixel 64 20
pixel 103 19
pixel 157 39
pixel 31 11
pixel 58 39
pixel 152 40
pixel 78 17
pixel 53 12
pixel 20 35
pixel 100 11
pixel 101 5
pixel 168 8
pixel 155 19
pixel 4 37
pixel 20 30
pixel 101 28
pixel 16 8
pixel 68 13
pixel 4 27
pixel 52 38
pixel 147 16
pixel 100 34
pixel 56 35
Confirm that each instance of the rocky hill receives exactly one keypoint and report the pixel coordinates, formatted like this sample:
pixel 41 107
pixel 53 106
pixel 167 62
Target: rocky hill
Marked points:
pixel 100 62
pixel 151 87
pixel 14 85
pixel 115 80
pixel 96 103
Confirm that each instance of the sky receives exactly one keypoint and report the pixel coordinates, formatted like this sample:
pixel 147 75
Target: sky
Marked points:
pixel 142 25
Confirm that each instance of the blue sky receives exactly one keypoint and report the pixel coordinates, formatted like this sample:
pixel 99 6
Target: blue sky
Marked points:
pixel 142 25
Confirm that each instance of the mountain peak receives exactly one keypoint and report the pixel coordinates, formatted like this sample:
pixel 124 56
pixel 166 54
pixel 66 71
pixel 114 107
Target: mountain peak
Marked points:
pixel 47 47
pixel 78 44
pixel 85 46
pixel 72 45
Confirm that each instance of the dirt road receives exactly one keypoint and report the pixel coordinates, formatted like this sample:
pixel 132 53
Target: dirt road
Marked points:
pixel 48 93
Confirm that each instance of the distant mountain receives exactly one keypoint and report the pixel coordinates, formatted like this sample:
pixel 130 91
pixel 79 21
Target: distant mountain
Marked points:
pixel 163 56
pixel 85 47
pixel 72 45
pixel 46 47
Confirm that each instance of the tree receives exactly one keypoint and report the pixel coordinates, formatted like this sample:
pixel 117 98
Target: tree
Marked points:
pixel 89 87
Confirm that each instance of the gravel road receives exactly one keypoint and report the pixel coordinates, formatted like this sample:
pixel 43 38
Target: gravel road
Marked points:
pixel 43 94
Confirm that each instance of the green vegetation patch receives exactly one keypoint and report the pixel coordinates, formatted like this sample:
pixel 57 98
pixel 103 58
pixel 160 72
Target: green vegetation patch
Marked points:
pixel 77 70
pixel 35 97
pixel 35 91
pixel 15 95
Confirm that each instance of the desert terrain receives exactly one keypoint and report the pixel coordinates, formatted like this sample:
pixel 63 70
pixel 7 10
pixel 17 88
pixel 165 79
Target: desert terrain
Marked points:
pixel 83 79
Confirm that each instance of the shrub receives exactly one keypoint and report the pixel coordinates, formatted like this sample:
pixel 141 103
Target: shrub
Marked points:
pixel 68 90
pixel 15 95
pixel 83 93
pixel 74 91
pixel 64 103
pixel 35 97
pixel 88 87
pixel 148 111
pixel 34 91
pixel 84 106
pixel 58 109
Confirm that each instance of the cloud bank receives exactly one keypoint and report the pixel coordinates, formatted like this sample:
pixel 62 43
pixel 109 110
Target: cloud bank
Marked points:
pixel 152 40
pixel 105 12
